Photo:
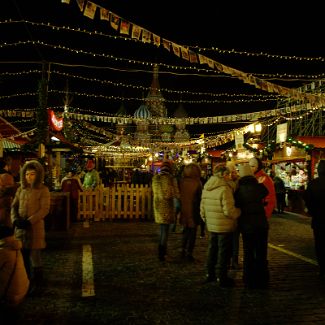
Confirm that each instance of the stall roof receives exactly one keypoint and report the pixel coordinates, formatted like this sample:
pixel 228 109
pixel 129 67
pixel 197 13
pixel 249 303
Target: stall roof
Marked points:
pixel 7 130
pixel 317 141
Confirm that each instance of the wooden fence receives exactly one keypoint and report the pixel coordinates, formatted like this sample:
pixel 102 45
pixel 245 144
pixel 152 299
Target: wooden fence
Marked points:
pixel 122 201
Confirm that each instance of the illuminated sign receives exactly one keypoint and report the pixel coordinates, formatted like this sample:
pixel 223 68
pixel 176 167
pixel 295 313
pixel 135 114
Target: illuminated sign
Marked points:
pixel 55 122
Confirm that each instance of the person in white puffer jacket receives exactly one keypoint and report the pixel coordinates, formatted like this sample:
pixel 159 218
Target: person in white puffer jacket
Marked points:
pixel 217 209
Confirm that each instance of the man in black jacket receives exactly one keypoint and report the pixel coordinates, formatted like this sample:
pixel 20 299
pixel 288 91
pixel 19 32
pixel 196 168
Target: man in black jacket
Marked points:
pixel 314 199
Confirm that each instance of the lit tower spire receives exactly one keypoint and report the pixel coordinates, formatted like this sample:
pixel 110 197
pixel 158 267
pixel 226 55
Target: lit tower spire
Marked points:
pixel 155 101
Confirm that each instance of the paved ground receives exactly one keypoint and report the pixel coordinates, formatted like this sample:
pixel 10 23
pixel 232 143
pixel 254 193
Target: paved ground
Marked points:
pixel 132 287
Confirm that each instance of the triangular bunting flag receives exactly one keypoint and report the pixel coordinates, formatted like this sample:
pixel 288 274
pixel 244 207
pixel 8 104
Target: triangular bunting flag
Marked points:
pixel 185 53
pixel 176 49
pixel 115 20
pixel 166 44
pixel 146 36
pixel 124 27
pixel 90 10
pixel 104 14
pixel 156 39
pixel 136 31
pixel 81 4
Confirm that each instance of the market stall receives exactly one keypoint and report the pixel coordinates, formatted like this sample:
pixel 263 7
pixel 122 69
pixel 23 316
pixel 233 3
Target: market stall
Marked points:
pixel 292 165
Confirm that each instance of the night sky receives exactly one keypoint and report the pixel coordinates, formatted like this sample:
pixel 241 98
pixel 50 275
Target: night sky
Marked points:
pixel 275 43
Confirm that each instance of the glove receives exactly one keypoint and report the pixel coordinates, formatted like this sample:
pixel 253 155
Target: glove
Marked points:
pixel 22 223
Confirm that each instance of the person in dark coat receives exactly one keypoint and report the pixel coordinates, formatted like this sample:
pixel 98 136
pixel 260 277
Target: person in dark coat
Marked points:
pixel 7 192
pixel 253 225
pixel 314 199
pixel 190 191
pixel 280 192
pixel 72 184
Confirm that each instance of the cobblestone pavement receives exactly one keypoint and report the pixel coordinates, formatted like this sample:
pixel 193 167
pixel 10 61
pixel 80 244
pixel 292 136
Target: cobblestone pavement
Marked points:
pixel 132 287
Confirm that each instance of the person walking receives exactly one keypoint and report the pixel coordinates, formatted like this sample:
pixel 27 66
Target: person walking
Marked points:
pixel 7 192
pixel 314 200
pixel 190 192
pixel 165 191
pixel 30 206
pixel 263 178
pixel 253 225
pixel 217 209
pixel 14 282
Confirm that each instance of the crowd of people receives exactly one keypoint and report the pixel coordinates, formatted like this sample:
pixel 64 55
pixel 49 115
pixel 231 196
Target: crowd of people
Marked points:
pixel 233 203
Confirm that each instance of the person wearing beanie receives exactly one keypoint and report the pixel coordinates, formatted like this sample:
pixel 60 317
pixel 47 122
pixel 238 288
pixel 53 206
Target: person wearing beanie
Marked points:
pixel 30 206
pixel 315 204
pixel 253 225
pixel 270 200
pixel 165 193
pixel 14 282
pixel 217 209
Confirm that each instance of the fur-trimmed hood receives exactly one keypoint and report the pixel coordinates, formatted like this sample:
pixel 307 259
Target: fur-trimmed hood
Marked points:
pixel 32 164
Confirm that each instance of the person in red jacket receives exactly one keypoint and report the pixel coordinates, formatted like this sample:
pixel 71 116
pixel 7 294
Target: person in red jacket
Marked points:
pixel 270 200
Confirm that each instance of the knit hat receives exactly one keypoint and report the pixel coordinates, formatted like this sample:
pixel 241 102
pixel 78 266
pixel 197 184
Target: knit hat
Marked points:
pixel 321 168
pixel 245 170
pixel 221 170
pixel 6 231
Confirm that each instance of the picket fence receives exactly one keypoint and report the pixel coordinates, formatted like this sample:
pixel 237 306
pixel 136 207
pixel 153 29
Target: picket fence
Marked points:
pixel 121 201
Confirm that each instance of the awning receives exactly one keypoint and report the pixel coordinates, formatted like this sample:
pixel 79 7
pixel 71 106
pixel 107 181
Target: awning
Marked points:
pixel 9 144
pixel 317 141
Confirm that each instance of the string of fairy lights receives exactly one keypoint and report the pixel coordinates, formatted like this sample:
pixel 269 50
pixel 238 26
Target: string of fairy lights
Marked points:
pixel 141 87
pixel 196 47
pixel 210 141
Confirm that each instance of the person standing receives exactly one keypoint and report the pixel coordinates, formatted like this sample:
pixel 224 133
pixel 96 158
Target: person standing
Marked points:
pixel 280 192
pixel 91 179
pixel 314 200
pixel 190 192
pixel 165 191
pixel 218 210
pixel 7 192
pixel 72 184
pixel 233 181
pixel 14 282
pixel 30 206
pixel 253 225
pixel 263 178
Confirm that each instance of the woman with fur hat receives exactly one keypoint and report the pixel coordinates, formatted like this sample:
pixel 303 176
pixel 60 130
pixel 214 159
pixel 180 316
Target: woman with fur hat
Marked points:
pixel 29 208
pixel 165 190
pixel 14 282
pixel 218 210
pixel 314 199
pixel 253 225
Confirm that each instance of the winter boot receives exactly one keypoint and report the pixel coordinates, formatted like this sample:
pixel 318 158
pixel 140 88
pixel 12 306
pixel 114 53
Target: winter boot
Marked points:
pixel 161 253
